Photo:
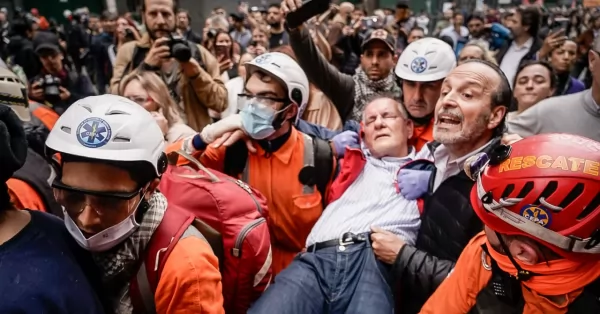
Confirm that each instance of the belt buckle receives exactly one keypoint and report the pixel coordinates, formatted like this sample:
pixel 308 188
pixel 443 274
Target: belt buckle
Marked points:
pixel 346 239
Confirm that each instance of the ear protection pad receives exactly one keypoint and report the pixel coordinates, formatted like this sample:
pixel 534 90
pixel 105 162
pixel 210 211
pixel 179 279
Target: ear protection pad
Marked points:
pixel 162 163
pixel 296 96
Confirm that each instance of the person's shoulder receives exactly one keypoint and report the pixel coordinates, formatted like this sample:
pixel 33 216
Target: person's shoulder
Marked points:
pixel 46 221
pixel 191 254
pixel 559 104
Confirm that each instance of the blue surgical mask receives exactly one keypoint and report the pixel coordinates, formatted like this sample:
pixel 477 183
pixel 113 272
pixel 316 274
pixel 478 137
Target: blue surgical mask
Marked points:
pixel 257 120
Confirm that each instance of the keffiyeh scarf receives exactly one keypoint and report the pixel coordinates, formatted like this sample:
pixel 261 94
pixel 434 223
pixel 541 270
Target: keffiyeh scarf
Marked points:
pixel 365 88
pixel 119 264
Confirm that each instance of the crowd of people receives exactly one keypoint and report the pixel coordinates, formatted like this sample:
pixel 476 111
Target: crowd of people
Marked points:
pixel 301 158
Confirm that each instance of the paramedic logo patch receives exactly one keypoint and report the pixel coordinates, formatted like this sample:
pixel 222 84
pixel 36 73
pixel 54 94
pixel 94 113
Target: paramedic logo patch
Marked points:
pixel 537 214
pixel 93 132
pixel 418 65
pixel 262 59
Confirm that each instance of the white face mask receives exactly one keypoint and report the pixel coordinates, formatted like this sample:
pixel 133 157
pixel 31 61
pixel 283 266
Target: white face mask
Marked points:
pixel 107 238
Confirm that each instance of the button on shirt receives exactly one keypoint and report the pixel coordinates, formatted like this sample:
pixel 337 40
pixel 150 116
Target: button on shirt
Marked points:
pixel 512 59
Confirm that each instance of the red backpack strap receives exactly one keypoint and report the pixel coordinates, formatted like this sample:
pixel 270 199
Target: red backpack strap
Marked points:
pixel 144 284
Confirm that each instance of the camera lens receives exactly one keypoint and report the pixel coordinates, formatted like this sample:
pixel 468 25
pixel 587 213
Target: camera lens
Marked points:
pixel 181 52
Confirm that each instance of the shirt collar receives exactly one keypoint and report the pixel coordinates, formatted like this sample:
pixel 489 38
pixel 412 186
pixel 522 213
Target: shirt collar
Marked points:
pixel 284 153
pixel 441 154
pixel 527 45
pixel 411 154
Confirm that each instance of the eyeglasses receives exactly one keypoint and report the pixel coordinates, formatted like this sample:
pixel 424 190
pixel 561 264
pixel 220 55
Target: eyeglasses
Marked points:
pixel 75 200
pixel 244 99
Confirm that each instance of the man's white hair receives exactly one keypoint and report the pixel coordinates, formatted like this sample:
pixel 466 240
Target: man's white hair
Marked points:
pixel 397 101
pixel 219 22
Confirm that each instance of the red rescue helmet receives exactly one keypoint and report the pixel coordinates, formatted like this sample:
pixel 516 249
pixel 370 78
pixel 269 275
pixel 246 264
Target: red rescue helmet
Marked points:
pixel 545 187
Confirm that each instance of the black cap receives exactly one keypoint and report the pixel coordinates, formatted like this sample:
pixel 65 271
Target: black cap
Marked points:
pixel 237 17
pixel 45 41
pixel 379 35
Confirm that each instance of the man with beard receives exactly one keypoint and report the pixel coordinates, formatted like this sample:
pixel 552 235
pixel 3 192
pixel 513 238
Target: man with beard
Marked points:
pixel 524 25
pixel 195 82
pixel 422 68
pixel 349 94
pixel 279 36
pixel 469 118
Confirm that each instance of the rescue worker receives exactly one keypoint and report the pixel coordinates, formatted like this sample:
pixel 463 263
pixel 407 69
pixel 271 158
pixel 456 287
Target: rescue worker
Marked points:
pixel 28 187
pixel 195 83
pixel 111 162
pixel 276 90
pixel 40 262
pixel 539 253
pixel 422 68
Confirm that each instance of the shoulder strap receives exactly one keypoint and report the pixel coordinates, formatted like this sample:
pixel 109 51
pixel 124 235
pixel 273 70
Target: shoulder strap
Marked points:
pixel 506 289
pixel 235 160
pixel 197 54
pixel 174 224
pixel 323 164
pixel 137 57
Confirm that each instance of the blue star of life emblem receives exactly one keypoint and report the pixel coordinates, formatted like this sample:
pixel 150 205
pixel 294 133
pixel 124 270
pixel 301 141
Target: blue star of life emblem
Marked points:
pixel 93 132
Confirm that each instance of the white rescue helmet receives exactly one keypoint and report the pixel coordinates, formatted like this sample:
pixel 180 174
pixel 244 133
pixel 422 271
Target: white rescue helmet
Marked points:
pixel 13 93
pixel 288 72
pixel 109 127
pixel 426 60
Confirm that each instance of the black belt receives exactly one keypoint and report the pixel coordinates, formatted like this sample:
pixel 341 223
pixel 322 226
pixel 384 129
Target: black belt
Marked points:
pixel 346 239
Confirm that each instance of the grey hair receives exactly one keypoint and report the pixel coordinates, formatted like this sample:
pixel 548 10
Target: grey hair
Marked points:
pixel 390 96
pixel 219 22
pixel 487 55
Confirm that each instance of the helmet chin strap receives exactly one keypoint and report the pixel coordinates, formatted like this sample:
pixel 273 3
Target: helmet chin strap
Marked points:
pixel 522 275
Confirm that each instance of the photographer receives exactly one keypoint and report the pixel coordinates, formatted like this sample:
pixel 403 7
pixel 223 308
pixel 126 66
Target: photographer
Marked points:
pixel 57 85
pixel 189 70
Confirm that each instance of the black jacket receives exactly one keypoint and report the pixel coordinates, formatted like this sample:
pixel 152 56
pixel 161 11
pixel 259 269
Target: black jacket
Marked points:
pixel 448 223
pixel 20 50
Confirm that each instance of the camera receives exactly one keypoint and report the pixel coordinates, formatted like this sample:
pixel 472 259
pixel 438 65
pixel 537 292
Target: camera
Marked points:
pixel 179 48
pixel 129 34
pixel 50 83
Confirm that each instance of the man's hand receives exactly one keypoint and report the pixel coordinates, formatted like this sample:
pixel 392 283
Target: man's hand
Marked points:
pixel 343 140
pixel 212 132
pixel 190 68
pixel 413 183
pixel 259 50
pixel 161 121
pixel 36 91
pixel 158 52
pixel 385 244
pixel 231 138
pixel 288 6
pixel 64 93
